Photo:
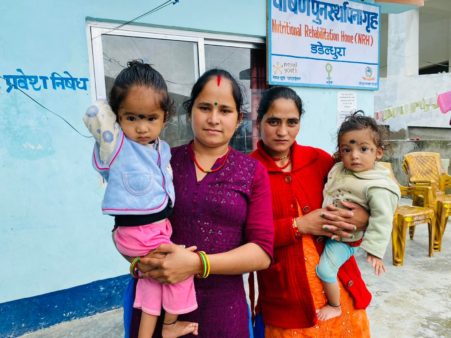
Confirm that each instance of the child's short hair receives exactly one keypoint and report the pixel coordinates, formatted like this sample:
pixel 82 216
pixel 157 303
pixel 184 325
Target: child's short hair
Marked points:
pixel 358 121
pixel 138 73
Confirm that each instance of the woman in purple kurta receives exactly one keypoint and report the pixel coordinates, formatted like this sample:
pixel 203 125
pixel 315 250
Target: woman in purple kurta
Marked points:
pixel 225 211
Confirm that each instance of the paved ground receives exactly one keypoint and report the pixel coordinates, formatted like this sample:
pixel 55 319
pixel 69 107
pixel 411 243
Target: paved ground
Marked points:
pixel 411 301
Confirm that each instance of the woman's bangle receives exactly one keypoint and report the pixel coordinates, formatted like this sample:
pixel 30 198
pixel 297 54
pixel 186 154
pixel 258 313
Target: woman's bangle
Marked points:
pixel 297 233
pixel 133 269
pixel 205 264
pixel 208 265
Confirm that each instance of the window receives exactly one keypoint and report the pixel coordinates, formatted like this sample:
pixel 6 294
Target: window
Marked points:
pixel 181 56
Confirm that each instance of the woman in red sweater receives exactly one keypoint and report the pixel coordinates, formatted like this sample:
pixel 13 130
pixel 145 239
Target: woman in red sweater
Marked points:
pixel 290 293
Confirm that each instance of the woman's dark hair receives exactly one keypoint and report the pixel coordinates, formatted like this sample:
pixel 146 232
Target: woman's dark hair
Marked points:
pixel 358 121
pixel 142 74
pixel 237 93
pixel 274 93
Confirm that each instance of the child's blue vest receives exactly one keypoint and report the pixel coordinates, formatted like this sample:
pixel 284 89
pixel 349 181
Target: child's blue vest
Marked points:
pixel 139 178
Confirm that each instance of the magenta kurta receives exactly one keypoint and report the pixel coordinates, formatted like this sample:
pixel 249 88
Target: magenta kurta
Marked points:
pixel 224 210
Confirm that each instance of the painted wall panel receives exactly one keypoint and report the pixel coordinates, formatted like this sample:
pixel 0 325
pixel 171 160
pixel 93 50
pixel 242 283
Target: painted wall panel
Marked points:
pixel 53 234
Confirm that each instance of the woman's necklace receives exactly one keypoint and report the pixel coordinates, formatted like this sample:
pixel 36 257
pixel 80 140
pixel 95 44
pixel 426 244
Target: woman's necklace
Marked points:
pixel 223 162
pixel 281 158
pixel 285 165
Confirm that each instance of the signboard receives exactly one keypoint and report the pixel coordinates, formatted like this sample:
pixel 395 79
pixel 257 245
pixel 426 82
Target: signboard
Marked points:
pixel 328 43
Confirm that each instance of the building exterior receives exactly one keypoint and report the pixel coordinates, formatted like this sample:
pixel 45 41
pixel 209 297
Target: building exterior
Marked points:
pixel 415 54
pixel 59 262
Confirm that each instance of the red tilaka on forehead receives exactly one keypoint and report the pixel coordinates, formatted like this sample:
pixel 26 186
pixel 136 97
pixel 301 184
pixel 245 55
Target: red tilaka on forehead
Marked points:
pixel 219 79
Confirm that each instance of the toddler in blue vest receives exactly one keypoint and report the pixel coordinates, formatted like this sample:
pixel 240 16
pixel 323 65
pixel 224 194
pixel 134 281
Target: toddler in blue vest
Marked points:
pixel 130 156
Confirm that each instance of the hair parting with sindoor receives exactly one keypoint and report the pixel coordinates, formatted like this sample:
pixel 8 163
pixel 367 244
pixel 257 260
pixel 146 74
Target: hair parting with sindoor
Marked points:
pixel 237 91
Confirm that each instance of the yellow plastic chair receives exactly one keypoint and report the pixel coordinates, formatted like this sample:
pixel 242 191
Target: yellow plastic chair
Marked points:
pixel 408 217
pixel 424 169
pixel 443 212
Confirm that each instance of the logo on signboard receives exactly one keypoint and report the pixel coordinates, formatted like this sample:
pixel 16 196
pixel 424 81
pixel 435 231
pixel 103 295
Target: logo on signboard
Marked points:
pixel 369 76
pixel 286 71
pixel 329 69
pixel 277 68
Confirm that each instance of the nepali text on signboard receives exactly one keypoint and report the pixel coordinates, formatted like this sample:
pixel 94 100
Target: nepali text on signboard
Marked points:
pixel 328 43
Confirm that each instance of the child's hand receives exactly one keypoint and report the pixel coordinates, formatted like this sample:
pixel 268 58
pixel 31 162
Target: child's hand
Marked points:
pixel 377 264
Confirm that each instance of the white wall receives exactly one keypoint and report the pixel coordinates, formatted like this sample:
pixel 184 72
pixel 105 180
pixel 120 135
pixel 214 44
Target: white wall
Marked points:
pixel 412 101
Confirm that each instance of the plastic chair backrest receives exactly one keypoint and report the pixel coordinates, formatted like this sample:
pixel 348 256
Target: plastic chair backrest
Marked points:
pixel 422 167
pixel 427 193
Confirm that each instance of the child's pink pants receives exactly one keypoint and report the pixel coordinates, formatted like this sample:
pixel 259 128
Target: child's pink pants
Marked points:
pixel 151 295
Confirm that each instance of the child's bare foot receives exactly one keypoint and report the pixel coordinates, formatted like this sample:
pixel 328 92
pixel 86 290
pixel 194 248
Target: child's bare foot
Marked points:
pixel 328 312
pixel 179 329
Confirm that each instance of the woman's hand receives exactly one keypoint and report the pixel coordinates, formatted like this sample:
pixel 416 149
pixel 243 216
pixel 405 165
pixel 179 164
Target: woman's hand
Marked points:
pixel 334 222
pixel 343 222
pixel 170 263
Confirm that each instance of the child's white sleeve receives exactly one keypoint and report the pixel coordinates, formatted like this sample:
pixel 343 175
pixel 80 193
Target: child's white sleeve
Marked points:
pixel 101 123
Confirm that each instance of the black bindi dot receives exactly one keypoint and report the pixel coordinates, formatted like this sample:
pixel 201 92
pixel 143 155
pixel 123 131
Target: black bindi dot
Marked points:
pixel 142 117
pixel 352 142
